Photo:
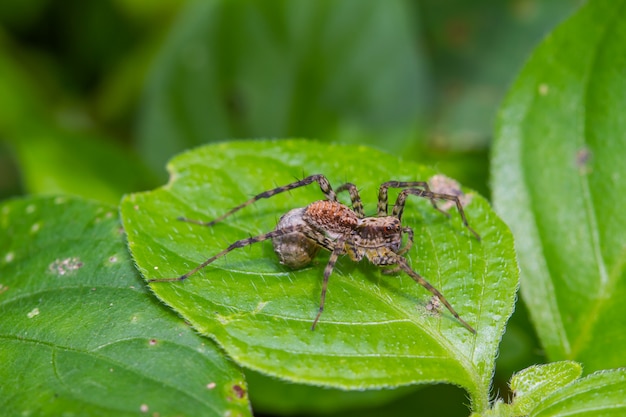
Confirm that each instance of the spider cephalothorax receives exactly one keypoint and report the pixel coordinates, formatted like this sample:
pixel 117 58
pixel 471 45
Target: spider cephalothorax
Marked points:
pixel 342 230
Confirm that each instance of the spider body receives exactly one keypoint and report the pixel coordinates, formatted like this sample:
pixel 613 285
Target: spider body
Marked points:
pixel 294 250
pixel 377 239
pixel 372 238
pixel 341 230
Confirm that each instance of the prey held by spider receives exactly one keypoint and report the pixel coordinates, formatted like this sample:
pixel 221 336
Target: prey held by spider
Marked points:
pixel 328 224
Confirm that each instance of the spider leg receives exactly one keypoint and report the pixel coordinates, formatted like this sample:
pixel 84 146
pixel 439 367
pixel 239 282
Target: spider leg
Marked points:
pixel 357 205
pixel 383 207
pixel 409 243
pixel 338 250
pixel 399 206
pixel 402 251
pixel 421 281
pixel 319 239
pixel 391 271
pixel 236 245
pixel 319 178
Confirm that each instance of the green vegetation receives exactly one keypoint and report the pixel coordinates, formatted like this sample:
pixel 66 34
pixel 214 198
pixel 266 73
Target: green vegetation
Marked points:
pixel 237 97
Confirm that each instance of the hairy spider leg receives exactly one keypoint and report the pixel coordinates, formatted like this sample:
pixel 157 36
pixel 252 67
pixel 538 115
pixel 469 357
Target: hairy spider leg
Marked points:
pixel 409 244
pixel 236 245
pixel 421 281
pixel 357 205
pixel 334 255
pixel 383 207
pixel 319 178
pixel 398 208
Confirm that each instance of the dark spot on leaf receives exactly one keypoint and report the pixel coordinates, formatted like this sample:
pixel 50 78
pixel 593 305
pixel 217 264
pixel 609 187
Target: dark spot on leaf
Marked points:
pixel 239 391
pixel 583 159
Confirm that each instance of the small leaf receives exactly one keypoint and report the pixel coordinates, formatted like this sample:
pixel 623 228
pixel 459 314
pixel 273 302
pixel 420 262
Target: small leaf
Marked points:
pixel 533 384
pixel 80 334
pixel 600 394
pixel 376 330
pixel 558 176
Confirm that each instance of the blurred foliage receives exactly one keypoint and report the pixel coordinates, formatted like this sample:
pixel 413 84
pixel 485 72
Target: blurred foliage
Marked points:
pixel 90 91
pixel 420 78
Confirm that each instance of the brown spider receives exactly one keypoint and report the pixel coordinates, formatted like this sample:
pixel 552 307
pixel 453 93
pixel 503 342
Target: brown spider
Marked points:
pixel 335 227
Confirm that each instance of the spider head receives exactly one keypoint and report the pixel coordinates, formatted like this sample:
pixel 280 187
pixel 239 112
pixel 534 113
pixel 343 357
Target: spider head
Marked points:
pixel 376 232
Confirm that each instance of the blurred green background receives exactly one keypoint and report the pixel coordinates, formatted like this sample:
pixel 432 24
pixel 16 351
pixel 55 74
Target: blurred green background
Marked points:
pixel 96 96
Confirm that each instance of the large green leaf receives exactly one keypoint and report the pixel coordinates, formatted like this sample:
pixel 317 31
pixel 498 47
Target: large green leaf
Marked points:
pixel 347 71
pixel 558 176
pixel 81 335
pixel 376 330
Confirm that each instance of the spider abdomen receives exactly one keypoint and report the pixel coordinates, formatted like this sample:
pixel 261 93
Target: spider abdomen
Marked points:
pixel 294 250
pixel 331 217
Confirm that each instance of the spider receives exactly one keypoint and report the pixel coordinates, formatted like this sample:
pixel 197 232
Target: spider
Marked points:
pixel 333 226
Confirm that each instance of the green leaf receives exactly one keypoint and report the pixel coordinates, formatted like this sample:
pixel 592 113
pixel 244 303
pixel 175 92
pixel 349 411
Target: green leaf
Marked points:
pixel 554 390
pixel 600 394
pixel 80 334
pixel 558 172
pixel 533 384
pixel 348 71
pixel 376 330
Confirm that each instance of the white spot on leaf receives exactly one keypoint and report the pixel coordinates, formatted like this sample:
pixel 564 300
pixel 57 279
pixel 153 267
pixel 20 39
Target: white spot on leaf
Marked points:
pixel 34 312
pixel 65 266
